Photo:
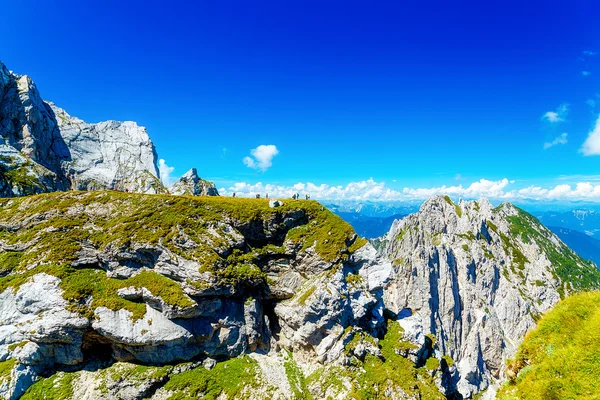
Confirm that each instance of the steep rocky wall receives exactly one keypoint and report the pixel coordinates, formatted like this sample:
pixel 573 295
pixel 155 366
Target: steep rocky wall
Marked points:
pixel 44 149
pixel 477 278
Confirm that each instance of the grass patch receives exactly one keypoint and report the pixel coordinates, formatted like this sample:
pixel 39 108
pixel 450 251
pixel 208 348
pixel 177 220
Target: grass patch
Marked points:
pixel 306 294
pixel 54 227
pixel 58 387
pixel 560 358
pixel 296 380
pixel 79 284
pixel 375 378
pixel 457 208
pixel 227 380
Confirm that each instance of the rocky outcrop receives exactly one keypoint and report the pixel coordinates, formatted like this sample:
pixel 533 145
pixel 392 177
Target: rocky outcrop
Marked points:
pixel 91 274
pixel 191 184
pixel 150 296
pixel 111 154
pixel 44 149
pixel 477 278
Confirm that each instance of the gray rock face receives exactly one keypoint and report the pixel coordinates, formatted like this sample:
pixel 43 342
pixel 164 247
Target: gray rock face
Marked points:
pixel 191 184
pixel 44 149
pixel 37 331
pixel 458 282
pixel 468 275
pixel 108 155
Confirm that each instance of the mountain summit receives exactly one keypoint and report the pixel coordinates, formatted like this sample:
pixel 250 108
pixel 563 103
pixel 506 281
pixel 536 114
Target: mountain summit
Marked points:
pixel 478 278
pixel 116 295
pixel 44 149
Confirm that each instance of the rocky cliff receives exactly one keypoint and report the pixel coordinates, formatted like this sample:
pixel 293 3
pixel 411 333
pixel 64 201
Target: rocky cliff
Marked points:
pixel 99 277
pixel 113 295
pixel 44 149
pixel 477 278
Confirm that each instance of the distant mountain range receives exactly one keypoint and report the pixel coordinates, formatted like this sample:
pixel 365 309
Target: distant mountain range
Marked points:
pixel 371 219
pixel 583 220
pixel 578 228
pixel 585 245
pixel 369 227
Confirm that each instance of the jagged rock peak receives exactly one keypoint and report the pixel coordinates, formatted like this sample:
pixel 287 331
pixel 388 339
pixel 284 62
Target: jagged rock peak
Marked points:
pixel 477 278
pixel 44 149
pixel 192 185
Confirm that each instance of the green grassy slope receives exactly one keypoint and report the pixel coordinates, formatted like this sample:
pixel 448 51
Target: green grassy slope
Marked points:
pixel 560 358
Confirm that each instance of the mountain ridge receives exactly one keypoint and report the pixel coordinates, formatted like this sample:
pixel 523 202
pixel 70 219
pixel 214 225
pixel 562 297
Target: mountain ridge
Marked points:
pixel 44 149
pixel 287 293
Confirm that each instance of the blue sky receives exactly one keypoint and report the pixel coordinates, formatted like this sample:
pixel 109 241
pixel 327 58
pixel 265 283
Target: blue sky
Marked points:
pixel 393 96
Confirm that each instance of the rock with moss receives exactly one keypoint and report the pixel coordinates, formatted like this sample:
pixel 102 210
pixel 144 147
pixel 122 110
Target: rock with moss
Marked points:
pixel 164 279
pixel 478 278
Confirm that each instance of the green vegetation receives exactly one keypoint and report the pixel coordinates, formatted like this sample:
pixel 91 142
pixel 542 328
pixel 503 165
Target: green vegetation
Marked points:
pixel 449 360
pixel 330 379
pixel 306 294
pixel 52 229
pixel 566 264
pixel 354 280
pixel 79 284
pixel 469 235
pixel 227 380
pixel 58 387
pixel 5 369
pixel 17 175
pixel 560 358
pixel 456 206
pixel 373 377
pixel 432 363
pixel 296 379
pixel 492 226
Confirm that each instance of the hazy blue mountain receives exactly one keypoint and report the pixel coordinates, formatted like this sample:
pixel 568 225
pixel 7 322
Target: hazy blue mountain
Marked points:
pixel 369 227
pixel 380 209
pixel 583 220
pixel 586 246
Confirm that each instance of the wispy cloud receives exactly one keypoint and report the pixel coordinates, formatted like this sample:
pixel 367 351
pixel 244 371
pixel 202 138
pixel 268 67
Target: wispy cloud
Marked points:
pixel 559 115
pixel 585 73
pixel 165 173
pixel 261 157
pixel 591 146
pixel 591 103
pixel 377 191
pixel 562 139
pixel 589 53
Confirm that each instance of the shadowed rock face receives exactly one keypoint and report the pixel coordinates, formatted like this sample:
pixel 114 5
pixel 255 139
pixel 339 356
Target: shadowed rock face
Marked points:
pixel 477 278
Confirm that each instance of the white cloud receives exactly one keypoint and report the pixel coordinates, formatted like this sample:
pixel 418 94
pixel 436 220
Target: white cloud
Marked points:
pixel 589 53
pixel 377 191
pixel 591 103
pixel 562 139
pixel 557 116
pixel 262 157
pixel 165 173
pixel 585 73
pixel 591 146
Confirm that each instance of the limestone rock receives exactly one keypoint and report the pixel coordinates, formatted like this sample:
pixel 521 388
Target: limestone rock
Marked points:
pixel 476 277
pixel 44 149
pixel 191 184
